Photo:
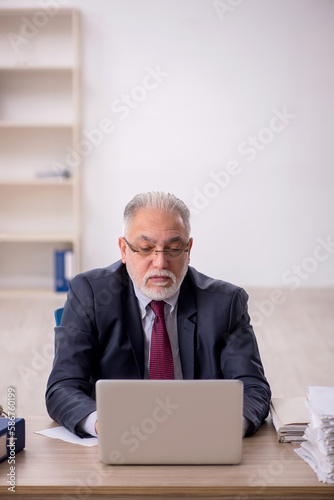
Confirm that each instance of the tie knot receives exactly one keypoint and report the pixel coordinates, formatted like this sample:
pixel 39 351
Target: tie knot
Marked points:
pixel 157 307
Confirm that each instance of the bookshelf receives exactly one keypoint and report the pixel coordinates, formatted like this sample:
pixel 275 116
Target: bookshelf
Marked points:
pixel 39 130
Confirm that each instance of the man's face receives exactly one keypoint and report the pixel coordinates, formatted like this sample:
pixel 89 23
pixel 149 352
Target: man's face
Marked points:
pixel 156 275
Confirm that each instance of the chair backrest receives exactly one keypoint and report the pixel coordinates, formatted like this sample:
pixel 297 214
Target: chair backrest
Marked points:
pixel 58 315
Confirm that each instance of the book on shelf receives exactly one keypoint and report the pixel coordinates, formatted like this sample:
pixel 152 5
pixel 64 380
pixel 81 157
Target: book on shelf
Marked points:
pixel 64 173
pixel 290 418
pixel 64 269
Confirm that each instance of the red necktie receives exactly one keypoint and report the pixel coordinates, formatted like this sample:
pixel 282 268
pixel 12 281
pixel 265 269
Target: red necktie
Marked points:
pixel 161 357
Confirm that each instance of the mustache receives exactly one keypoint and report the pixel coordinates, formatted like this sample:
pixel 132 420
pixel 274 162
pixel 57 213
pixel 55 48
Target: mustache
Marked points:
pixel 161 272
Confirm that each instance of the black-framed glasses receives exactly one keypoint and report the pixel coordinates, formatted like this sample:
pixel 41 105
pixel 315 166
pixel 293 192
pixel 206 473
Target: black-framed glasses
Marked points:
pixel 145 251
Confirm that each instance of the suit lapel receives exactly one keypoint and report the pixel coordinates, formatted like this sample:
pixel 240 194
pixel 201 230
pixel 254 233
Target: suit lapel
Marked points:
pixel 132 322
pixel 186 325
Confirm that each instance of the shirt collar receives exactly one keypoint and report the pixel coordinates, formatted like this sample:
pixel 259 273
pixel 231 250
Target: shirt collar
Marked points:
pixel 144 301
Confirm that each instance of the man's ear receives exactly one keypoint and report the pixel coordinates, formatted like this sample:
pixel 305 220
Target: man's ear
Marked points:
pixel 122 246
pixel 189 248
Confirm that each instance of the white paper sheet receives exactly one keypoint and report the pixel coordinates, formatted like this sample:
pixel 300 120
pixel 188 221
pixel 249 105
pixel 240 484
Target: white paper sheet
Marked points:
pixel 317 449
pixel 321 400
pixel 65 435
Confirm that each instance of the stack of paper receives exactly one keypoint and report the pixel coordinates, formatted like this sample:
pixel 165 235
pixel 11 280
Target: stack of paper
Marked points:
pixel 318 448
pixel 290 418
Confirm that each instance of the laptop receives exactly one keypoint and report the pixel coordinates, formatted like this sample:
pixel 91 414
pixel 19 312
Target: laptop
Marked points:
pixel 169 421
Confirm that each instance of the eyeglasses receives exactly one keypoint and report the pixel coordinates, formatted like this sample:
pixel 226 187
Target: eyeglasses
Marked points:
pixel 170 253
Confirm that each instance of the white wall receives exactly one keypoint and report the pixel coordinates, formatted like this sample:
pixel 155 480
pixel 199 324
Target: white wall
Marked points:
pixel 227 73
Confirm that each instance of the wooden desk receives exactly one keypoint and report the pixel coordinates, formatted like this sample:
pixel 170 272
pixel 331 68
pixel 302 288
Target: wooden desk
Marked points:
pixel 52 469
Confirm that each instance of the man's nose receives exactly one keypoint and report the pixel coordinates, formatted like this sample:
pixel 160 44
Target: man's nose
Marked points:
pixel 159 260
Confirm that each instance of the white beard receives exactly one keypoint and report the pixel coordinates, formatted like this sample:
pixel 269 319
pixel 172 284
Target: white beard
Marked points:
pixel 158 291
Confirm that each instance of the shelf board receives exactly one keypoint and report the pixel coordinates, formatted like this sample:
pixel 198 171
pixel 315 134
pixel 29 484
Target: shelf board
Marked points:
pixel 37 181
pixel 10 293
pixel 12 124
pixel 20 11
pixel 41 237
pixel 36 68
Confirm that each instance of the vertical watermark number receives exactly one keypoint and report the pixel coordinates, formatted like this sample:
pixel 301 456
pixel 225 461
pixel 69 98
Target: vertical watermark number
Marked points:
pixel 11 403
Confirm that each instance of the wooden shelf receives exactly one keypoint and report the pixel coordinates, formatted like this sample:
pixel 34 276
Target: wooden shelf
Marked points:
pixel 28 11
pixel 33 69
pixel 40 128
pixel 10 293
pixel 21 124
pixel 6 237
pixel 37 181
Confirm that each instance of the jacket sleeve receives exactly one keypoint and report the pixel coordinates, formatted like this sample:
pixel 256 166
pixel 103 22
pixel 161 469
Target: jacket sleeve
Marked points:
pixel 240 359
pixel 70 389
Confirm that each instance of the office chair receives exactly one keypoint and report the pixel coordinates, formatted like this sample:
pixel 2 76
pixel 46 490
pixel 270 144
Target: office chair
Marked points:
pixel 58 315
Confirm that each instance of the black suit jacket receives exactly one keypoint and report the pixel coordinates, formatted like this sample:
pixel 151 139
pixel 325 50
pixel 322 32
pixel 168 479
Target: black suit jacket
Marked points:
pixel 101 336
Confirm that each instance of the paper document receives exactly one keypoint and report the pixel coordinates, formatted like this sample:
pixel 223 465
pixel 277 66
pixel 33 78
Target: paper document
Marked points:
pixel 290 418
pixel 318 448
pixel 65 435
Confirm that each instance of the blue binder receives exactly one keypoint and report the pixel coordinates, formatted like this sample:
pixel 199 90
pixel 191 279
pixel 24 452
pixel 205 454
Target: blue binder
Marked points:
pixel 63 269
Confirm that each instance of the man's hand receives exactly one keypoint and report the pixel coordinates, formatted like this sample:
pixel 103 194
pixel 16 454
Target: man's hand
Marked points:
pixel 96 427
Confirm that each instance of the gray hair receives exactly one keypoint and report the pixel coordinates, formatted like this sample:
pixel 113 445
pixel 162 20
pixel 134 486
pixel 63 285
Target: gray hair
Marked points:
pixel 156 200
